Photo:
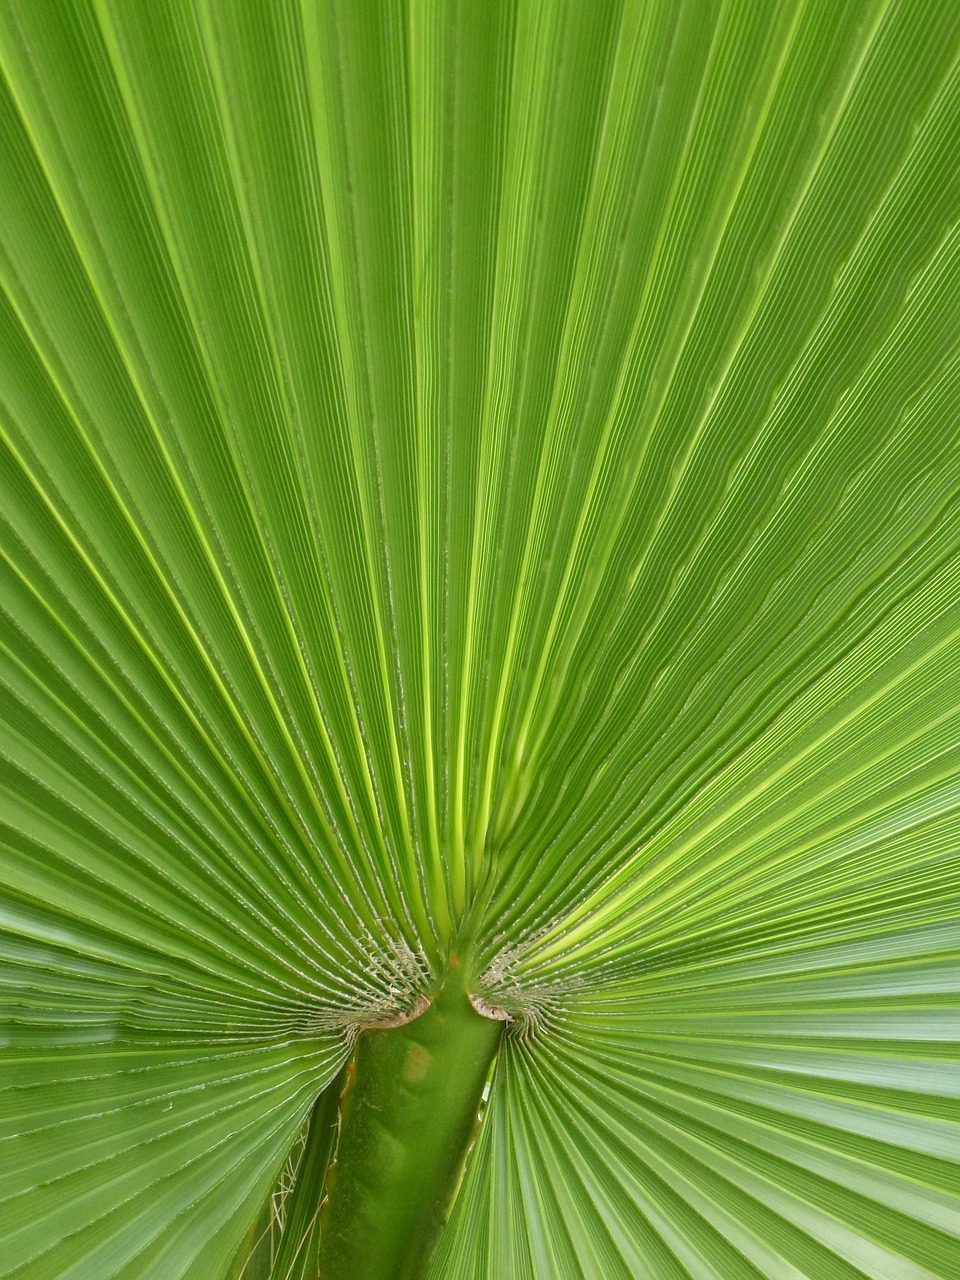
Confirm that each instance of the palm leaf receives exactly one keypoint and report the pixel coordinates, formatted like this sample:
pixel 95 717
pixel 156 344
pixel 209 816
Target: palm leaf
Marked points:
pixel 482 475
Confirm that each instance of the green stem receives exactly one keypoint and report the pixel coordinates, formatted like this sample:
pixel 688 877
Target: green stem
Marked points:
pixel 407 1122
pixel 296 1257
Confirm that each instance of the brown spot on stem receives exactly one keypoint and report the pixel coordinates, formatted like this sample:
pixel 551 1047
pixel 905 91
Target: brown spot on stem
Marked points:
pixel 417 1064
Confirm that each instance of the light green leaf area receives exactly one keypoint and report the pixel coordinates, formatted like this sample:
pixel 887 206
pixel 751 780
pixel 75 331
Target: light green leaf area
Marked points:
pixel 483 476
pixel 143 1162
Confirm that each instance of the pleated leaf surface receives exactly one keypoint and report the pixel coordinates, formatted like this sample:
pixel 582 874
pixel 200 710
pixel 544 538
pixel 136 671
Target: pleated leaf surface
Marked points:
pixel 483 469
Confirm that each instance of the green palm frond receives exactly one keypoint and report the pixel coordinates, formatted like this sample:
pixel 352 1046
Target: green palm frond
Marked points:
pixel 480 486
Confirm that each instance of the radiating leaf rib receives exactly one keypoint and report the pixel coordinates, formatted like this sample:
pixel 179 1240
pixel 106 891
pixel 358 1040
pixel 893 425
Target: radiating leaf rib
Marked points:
pixel 297 1251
